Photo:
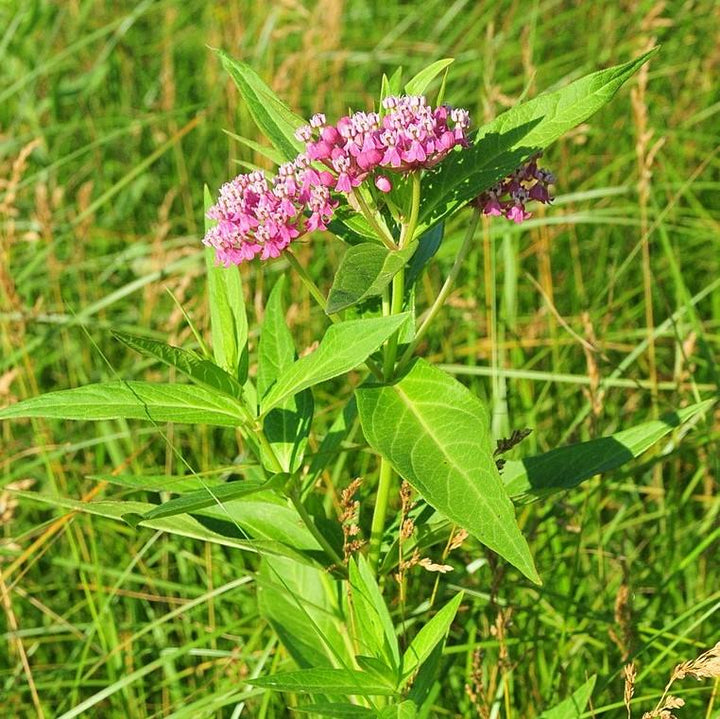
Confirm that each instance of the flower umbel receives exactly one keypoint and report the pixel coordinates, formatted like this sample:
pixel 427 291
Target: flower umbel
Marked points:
pixel 410 135
pixel 508 197
pixel 260 216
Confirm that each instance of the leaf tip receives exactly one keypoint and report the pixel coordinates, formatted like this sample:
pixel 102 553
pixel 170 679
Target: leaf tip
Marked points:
pixel 133 519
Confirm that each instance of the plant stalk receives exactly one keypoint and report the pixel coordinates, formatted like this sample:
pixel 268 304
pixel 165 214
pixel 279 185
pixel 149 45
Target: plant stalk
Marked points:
pixel 395 307
pixel 297 501
pixel 444 292
pixel 310 524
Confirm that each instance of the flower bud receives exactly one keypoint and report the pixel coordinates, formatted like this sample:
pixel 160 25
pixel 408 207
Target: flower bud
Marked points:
pixel 383 183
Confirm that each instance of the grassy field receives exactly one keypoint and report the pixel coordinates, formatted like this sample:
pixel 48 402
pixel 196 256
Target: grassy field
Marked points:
pixel 113 115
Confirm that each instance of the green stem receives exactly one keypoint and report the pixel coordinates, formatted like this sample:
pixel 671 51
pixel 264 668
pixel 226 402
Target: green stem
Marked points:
pixel 381 506
pixel 398 283
pixel 309 283
pixel 310 524
pixel 395 307
pixel 444 292
pixel 271 457
pixel 409 229
pixel 371 216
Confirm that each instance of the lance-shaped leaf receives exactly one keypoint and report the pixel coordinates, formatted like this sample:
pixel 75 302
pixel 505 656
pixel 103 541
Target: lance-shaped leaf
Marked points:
pixel 373 624
pixel 429 637
pixel 201 371
pixel 565 467
pixel 325 681
pixel 207 497
pixel 287 426
pixel 344 347
pixel 133 400
pixel 274 118
pixel 501 146
pixel 365 271
pixel 574 706
pixel 336 710
pixel 435 433
pixel 428 245
pixel 222 532
pixel 404 710
pixel 303 605
pixel 418 84
pixel 228 320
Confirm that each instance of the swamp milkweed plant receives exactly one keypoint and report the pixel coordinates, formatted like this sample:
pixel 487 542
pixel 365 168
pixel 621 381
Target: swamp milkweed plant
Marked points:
pixel 360 639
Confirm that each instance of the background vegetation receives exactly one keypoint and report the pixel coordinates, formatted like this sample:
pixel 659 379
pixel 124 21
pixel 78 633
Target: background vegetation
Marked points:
pixel 601 312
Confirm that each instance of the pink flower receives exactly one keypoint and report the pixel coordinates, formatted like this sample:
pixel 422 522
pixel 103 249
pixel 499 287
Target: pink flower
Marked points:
pixel 411 135
pixel 256 216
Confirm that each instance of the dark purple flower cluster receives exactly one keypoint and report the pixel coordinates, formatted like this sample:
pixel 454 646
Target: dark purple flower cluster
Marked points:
pixel 409 135
pixel 508 197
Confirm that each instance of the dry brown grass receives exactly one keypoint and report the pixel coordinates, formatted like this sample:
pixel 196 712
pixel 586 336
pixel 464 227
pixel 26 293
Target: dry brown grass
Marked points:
pixel 704 666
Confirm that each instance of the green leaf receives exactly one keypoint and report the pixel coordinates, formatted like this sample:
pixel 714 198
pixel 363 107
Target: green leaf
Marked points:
pixel 276 349
pixel 269 152
pixel 426 678
pixel 332 442
pixel 301 604
pixel 391 86
pixel 501 146
pixel 365 271
pixel 573 707
pixel 224 533
pixel 161 482
pixel 559 469
pixel 202 371
pixel 266 516
pixel 378 668
pixel 324 681
pixel 344 347
pixel 430 636
pixel 287 426
pixel 228 320
pixel 336 710
pixel 419 83
pixel 406 710
pixel 428 245
pixel 274 118
pixel 435 433
pixel 133 400
pixel 207 497
pixel 373 624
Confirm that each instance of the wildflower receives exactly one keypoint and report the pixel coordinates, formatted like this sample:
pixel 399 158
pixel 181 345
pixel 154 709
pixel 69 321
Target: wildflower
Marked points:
pixel 508 197
pixel 410 135
pixel 257 216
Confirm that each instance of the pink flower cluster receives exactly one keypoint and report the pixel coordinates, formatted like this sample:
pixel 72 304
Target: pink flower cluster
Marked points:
pixel 408 135
pixel 257 216
pixel 508 197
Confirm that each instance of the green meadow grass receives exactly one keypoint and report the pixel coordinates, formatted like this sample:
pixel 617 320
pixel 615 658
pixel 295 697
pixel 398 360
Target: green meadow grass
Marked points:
pixel 113 115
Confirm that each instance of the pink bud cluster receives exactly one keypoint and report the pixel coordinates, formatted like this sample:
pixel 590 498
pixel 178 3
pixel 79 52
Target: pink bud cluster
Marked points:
pixel 257 216
pixel 508 197
pixel 409 135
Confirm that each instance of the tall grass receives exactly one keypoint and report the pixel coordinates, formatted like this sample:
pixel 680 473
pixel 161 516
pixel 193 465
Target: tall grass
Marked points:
pixel 603 312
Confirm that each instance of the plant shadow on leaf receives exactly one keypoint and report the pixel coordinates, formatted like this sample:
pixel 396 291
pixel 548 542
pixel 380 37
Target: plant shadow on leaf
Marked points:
pixel 466 174
pixel 566 467
pixel 232 530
